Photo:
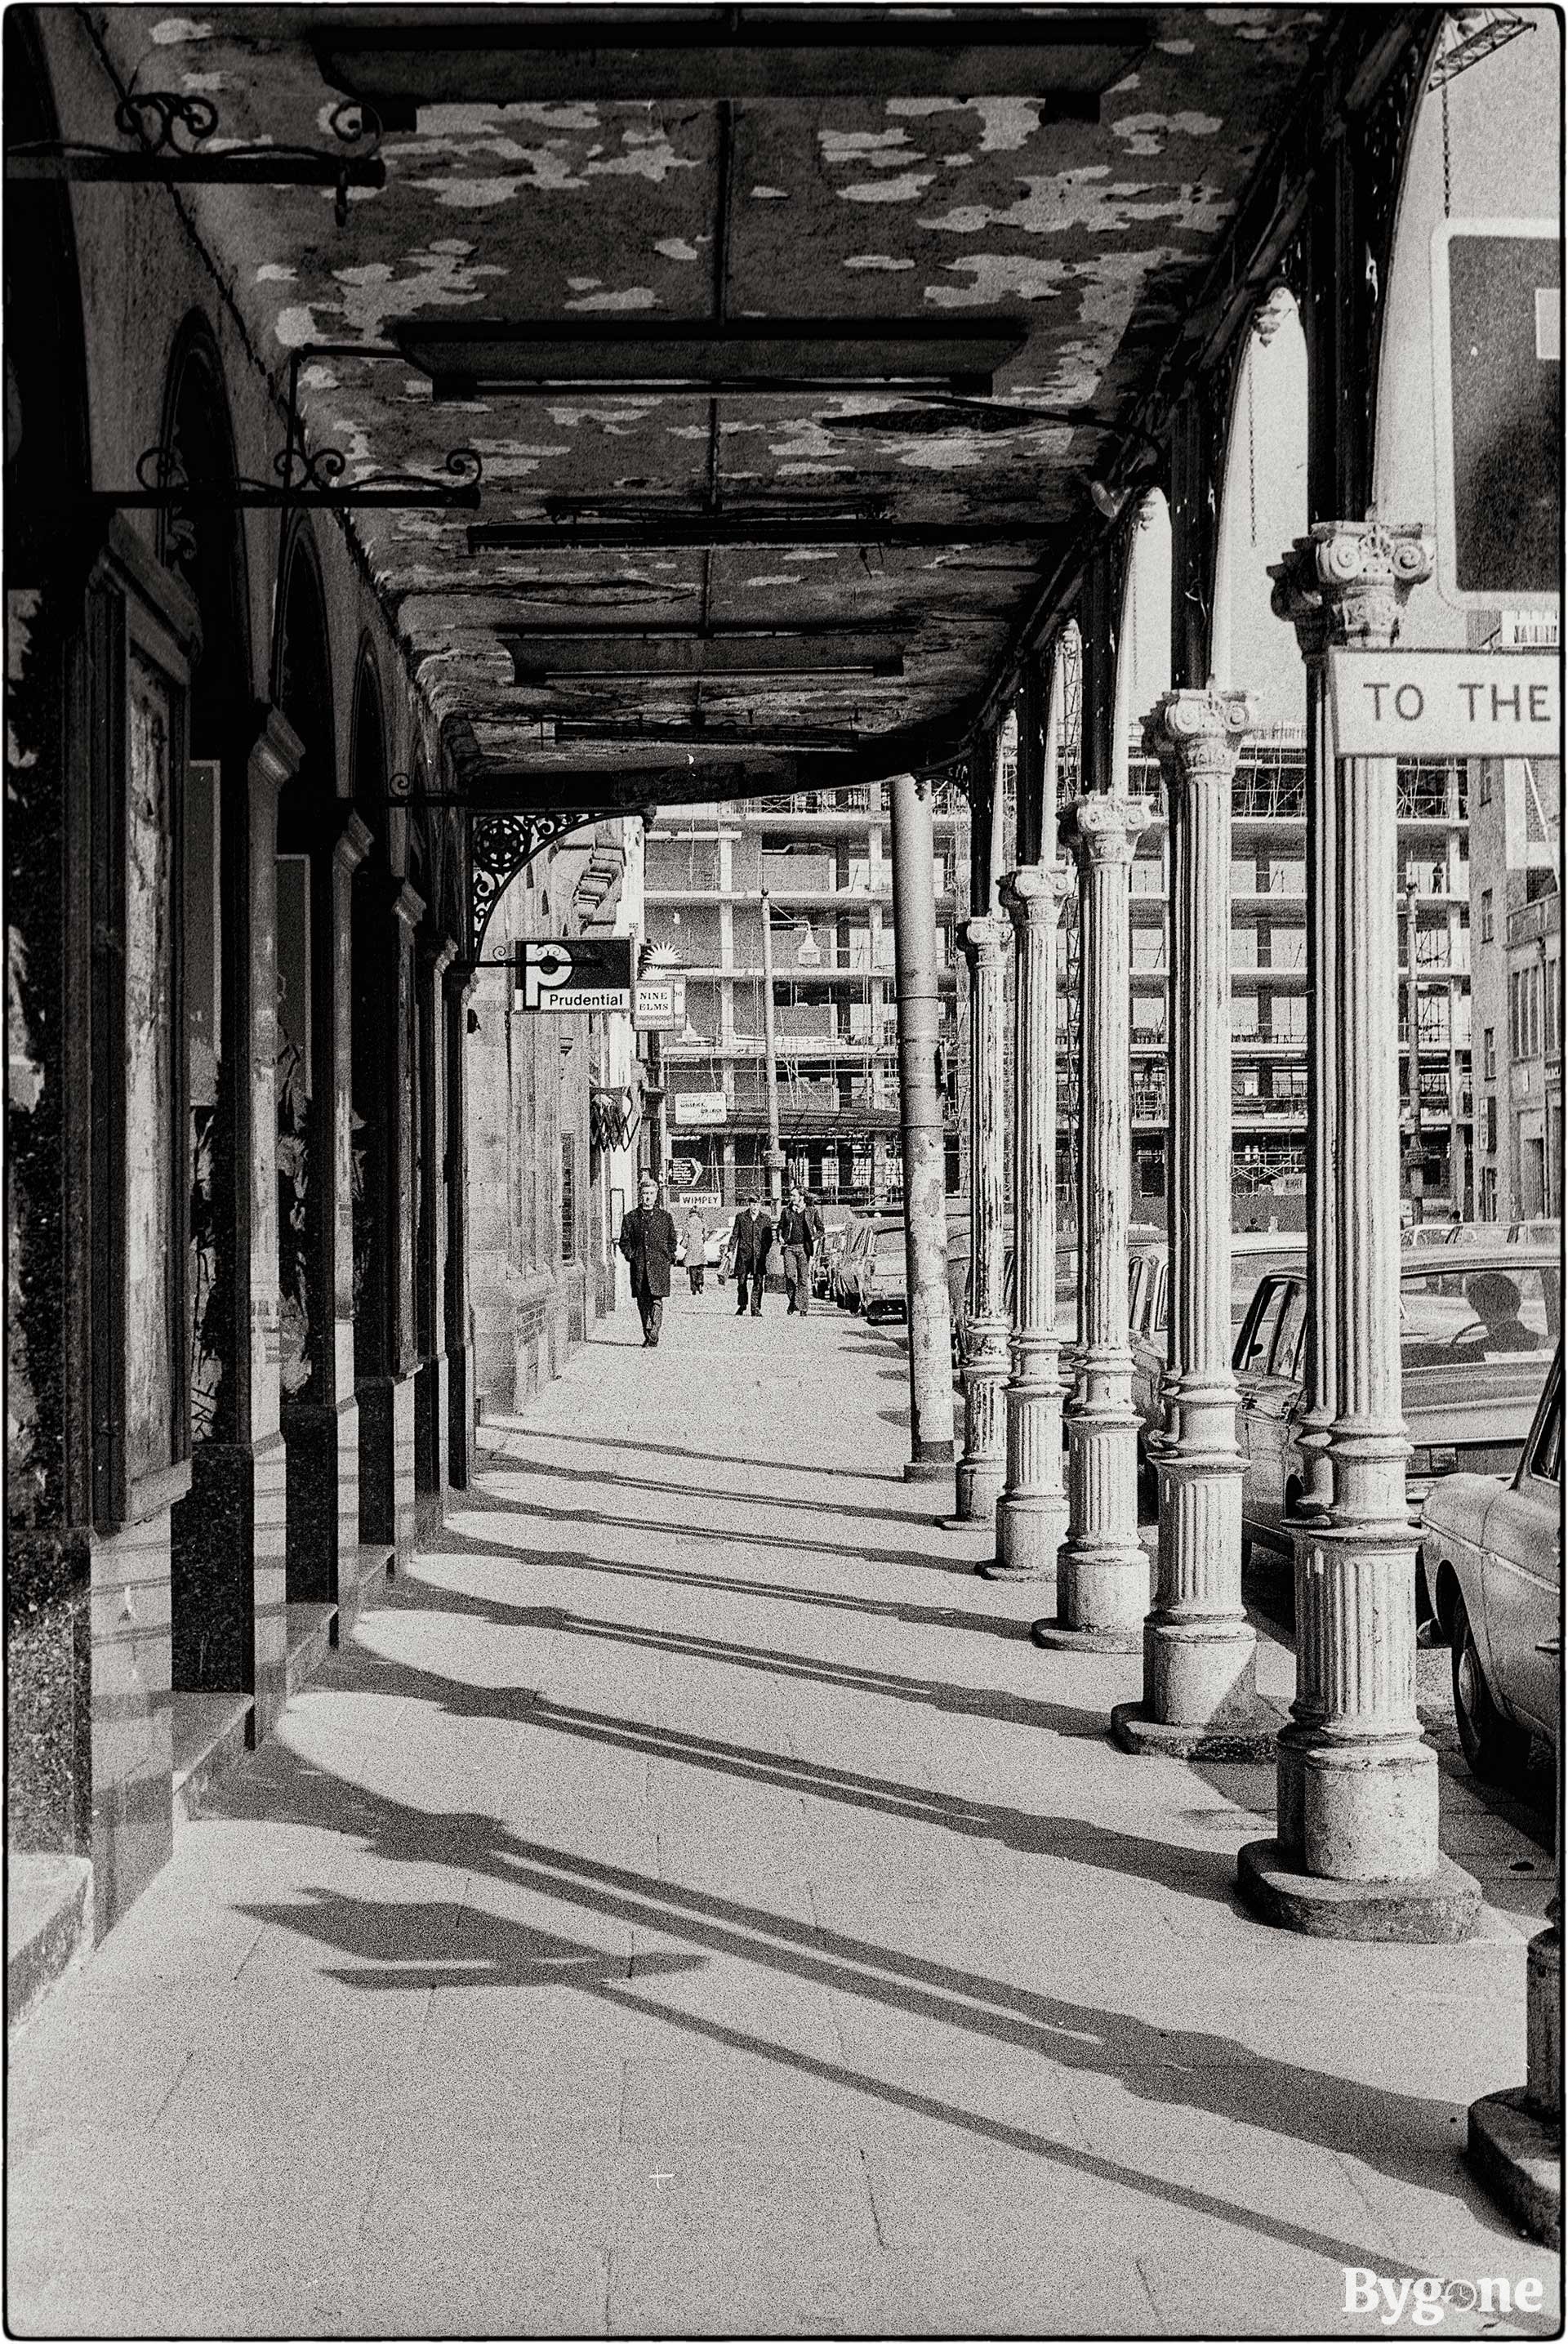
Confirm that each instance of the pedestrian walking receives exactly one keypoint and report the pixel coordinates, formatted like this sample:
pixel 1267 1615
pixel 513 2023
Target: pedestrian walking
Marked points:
pixel 797 1242
pixel 696 1249
pixel 648 1241
pixel 750 1241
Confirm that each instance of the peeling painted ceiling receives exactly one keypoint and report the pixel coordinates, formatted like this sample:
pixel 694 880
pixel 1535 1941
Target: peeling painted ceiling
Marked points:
pixel 1092 236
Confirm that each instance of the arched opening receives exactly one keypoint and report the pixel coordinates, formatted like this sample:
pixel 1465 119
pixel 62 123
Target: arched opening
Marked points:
pixel 307 1055
pixel 212 1580
pixel 1262 510
pixel 1479 843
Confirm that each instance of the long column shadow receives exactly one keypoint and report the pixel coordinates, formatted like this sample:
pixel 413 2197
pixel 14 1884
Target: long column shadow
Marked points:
pixel 747 1462
pixel 1408 2137
pixel 841 1676
pixel 912 1615
pixel 534 1508
pixel 693 1491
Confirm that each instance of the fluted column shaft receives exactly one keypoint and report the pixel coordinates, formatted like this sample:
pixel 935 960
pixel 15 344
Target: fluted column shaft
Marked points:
pixel 980 1473
pixel 1102 1576
pixel 1200 1651
pixel 1356 1851
pixel 1032 1513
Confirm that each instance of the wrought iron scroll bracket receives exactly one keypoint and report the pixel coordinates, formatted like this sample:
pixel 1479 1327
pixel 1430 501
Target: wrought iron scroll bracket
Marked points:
pixel 502 845
pixel 305 478
pixel 172 128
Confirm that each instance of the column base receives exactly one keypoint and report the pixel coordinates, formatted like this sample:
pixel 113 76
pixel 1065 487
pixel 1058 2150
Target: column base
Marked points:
pixel 1245 1739
pixel 1054 1635
pixel 1029 1531
pixel 1200 1671
pixel 1104 1589
pixel 977 1483
pixel 1516 2155
pixel 1442 1909
pixel 927 1468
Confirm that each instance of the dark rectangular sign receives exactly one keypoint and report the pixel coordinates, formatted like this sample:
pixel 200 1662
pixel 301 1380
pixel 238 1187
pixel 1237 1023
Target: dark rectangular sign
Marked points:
pixel 1497 351
pixel 571 974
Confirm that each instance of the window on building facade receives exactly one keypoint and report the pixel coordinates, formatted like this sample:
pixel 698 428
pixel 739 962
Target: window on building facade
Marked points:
pixel 1554 1008
pixel 1489 1194
pixel 1148 1017
pixel 1483 782
pixel 1288 1020
pixel 1488 1125
pixel 1244 1012
pixel 1487 930
pixel 1489 1053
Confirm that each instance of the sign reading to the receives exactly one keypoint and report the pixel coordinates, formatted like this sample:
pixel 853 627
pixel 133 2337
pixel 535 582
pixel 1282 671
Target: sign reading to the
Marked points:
pixel 1497 355
pixel 573 973
pixel 1445 704
pixel 700 1108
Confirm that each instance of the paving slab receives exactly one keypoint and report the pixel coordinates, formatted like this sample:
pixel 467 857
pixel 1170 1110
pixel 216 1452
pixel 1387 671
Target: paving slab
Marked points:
pixel 689 1904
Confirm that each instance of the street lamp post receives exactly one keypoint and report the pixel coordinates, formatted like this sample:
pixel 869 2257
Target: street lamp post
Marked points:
pixel 770 1055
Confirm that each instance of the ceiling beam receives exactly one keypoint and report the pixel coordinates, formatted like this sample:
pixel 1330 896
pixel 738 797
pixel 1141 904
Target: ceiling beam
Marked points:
pixel 400 61
pixel 479 358
pixel 546 659
pixel 745 530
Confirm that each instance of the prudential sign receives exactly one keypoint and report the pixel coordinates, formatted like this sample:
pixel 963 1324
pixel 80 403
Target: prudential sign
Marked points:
pixel 573 973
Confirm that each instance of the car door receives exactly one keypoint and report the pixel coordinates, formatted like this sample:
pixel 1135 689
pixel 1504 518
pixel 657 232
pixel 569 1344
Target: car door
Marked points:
pixel 1521 1570
pixel 1265 1348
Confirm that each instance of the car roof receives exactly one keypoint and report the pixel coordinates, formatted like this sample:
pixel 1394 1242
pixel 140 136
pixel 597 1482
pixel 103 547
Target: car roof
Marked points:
pixel 1458 1261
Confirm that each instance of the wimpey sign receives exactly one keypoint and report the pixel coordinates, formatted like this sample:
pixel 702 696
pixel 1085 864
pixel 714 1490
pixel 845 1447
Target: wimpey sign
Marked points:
pixel 1445 703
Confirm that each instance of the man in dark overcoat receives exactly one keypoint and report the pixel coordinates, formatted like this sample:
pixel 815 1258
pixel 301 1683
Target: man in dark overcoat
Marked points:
pixel 751 1241
pixel 648 1241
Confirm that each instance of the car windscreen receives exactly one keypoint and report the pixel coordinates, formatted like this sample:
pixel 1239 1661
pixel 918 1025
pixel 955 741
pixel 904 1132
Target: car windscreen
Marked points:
pixel 887 1247
pixel 1456 1316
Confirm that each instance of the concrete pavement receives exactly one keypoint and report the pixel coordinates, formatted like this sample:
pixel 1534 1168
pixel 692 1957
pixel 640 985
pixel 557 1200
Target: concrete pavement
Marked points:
pixel 690 1904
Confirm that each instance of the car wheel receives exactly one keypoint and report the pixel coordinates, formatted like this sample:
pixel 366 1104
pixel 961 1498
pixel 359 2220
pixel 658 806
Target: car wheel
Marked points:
pixel 1494 1749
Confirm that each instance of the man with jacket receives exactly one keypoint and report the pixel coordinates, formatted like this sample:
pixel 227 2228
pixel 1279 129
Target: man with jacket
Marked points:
pixel 648 1241
pixel 750 1241
pixel 797 1241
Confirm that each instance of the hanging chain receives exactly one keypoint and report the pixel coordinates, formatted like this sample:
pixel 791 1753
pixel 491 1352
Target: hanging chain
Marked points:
pixel 1446 159
pixel 1252 451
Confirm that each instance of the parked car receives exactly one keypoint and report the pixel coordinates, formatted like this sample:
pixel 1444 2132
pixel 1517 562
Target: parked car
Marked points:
pixel 1149 1305
pixel 1477 1331
pixel 1491 1555
pixel 1540 1231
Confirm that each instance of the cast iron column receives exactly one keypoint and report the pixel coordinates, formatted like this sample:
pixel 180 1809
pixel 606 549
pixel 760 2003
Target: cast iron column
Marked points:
pixel 980 1471
pixel 1199 1652
pixel 1102 1571
pixel 1032 1512
pixel 1358 1854
pixel 925 1140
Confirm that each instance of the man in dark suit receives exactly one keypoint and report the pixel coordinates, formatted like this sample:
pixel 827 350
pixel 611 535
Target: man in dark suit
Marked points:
pixel 750 1241
pixel 648 1241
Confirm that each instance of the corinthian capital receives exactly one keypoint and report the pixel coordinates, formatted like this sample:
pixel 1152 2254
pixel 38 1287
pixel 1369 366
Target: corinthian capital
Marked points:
pixel 986 938
pixel 1032 896
pixel 1345 585
pixel 1198 735
pixel 1102 828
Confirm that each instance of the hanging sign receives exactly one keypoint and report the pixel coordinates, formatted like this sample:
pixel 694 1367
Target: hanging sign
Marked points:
pixel 703 1109
pixel 1497 359
pixel 573 973
pixel 659 1003
pixel 1445 703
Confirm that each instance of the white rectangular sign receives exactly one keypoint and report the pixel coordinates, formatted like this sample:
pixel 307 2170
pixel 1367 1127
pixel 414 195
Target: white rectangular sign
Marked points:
pixel 1445 703
pixel 698 1196
pixel 659 1002
pixel 699 1107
